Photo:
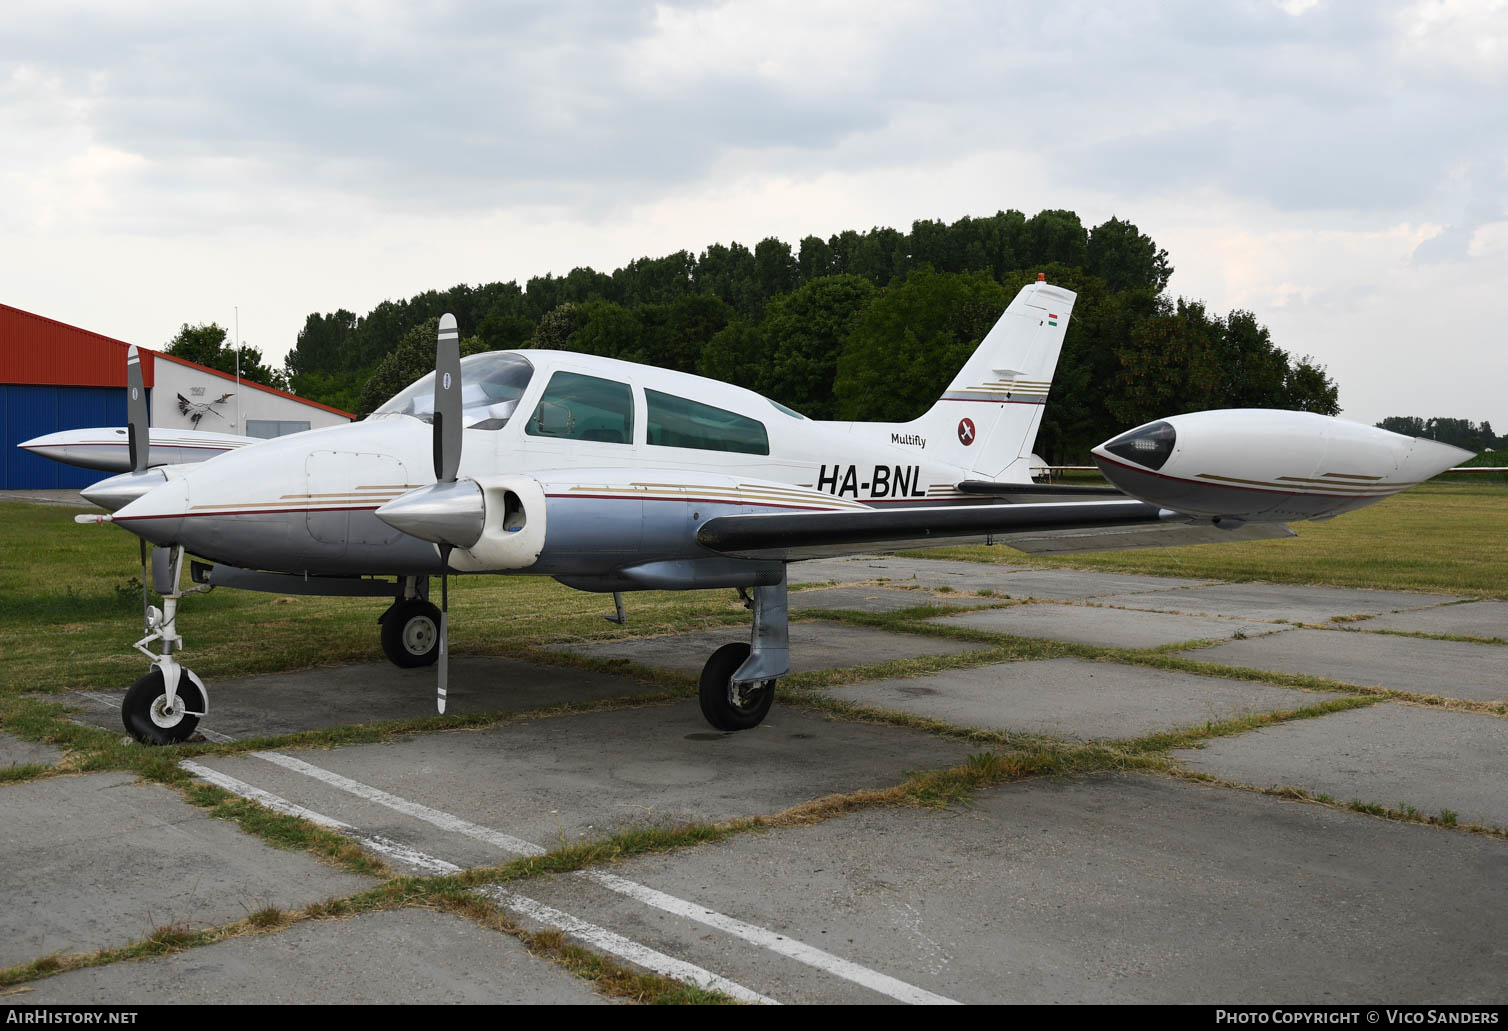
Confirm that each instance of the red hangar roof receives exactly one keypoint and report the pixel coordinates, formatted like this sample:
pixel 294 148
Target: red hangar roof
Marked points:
pixel 38 350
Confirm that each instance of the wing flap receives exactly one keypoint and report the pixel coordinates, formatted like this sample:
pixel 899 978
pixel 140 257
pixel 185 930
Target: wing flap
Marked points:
pixel 807 534
pixel 1158 535
pixel 1032 528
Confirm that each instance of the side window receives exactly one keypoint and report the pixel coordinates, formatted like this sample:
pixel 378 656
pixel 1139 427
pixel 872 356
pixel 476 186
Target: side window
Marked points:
pixel 268 428
pixel 576 407
pixel 676 422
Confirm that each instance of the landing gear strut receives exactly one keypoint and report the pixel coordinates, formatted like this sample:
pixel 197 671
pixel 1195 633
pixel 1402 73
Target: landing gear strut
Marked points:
pixel 165 706
pixel 738 681
pixel 411 628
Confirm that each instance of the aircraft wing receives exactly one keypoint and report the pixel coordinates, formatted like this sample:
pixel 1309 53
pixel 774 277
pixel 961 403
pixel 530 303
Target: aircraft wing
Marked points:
pixel 1031 528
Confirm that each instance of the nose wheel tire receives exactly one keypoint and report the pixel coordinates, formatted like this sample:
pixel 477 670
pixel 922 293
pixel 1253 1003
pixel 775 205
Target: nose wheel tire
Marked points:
pixel 411 633
pixel 146 714
pixel 730 706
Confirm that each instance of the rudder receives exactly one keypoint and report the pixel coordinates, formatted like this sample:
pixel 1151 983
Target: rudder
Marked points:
pixel 987 419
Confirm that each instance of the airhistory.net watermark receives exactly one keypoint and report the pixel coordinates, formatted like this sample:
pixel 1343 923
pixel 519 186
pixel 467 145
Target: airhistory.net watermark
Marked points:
pixel 69 1016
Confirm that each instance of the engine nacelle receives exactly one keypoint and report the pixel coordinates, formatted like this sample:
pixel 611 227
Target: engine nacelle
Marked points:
pixel 1260 465
pixel 513 529
pixel 492 523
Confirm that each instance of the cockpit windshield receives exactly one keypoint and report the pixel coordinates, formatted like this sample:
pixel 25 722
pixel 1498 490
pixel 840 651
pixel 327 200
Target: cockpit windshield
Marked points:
pixel 491 385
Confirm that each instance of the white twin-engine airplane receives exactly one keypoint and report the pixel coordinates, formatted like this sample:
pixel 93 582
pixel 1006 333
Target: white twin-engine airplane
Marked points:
pixel 613 477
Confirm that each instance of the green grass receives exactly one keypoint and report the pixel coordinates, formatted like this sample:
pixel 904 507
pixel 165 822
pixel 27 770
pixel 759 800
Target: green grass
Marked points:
pixel 71 609
pixel 70 613
pixel 1446 537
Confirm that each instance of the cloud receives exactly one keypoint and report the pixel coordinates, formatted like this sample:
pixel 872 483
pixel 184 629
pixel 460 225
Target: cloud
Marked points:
pixel 237 112
pixel 1295 157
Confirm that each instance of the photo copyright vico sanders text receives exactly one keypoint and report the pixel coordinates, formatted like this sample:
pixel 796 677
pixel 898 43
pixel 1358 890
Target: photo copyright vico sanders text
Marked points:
pixel 1379 1015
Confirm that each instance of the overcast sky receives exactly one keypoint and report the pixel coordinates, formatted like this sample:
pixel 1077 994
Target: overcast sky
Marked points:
pixel 1340 169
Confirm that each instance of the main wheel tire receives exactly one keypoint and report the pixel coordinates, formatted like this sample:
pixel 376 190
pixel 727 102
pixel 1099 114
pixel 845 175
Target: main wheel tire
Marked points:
pixel 725 707
pixel 411 633
pixel 145 714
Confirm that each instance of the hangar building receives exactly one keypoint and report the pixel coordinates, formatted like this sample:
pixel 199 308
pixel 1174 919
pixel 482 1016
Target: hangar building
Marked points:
pixel 58 377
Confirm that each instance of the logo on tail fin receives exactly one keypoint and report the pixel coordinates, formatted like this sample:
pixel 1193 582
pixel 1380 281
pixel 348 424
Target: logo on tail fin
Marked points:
pixel 966 432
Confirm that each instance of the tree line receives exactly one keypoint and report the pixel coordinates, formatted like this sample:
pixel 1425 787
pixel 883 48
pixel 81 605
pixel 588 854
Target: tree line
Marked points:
pixel 1460 432
pixel 862 325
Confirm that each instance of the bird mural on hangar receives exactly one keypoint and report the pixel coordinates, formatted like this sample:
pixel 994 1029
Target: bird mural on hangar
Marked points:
pixel 197 410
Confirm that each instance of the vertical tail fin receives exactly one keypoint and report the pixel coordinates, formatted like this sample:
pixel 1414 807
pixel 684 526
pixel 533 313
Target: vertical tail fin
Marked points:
pixel 987 419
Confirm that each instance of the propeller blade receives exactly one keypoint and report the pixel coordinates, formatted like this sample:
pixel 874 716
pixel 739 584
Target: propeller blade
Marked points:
pixel 443 673
pixel 146 599
pixel 136 412
pixel 447 400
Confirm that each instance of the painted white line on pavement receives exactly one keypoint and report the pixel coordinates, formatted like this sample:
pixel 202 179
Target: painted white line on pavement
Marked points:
pixel 410 855
pixel 617 945
pixel 271 801
pixel 602 938
pixel 445 821
pixel 779 944
pixel 383 846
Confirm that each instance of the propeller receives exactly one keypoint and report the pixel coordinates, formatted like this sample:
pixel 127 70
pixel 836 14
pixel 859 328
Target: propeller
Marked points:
pixel 138 441
pixel 447 448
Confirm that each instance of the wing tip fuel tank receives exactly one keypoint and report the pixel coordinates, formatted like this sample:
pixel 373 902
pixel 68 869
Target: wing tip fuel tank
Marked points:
pixel 1265 465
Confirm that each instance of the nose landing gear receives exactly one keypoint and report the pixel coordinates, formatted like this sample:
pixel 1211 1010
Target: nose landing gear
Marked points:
pixel 165 706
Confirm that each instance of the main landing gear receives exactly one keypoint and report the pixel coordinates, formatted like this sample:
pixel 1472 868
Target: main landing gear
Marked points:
pixel 411 626
pixel 165 706
pixel 738 681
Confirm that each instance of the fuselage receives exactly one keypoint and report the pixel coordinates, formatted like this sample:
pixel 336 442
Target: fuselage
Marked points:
pixel 631 459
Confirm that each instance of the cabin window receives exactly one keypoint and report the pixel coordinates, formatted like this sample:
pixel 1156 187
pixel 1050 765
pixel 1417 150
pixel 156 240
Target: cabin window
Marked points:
pixel 577 407
pixel 491 385
pixel 677 422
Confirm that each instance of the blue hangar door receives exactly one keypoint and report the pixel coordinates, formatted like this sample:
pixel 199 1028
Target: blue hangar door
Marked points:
pixel 30 411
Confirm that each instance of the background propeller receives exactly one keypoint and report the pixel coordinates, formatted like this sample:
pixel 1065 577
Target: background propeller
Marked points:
pixel 447 449
pixel 138 443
